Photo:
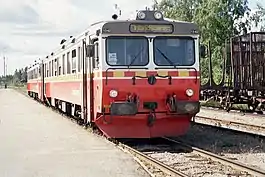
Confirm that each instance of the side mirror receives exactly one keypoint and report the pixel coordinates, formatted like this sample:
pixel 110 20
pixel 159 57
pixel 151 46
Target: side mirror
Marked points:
pixel 202 51
pixel 90 51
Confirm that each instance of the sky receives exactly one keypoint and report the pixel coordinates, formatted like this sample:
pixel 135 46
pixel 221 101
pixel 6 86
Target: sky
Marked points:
pixel 31 29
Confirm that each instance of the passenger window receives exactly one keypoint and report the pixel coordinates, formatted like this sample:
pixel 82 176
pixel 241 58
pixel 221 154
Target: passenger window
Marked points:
pixel 59 63
pixel 74 61
pixel 63 64
pixel 55 67
pixel 68 63
pixel 79 58
pixel 50 69
pixel 45 70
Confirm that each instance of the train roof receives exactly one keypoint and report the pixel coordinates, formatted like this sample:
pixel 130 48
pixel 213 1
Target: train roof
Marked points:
pixel 33 66
pixel 105 27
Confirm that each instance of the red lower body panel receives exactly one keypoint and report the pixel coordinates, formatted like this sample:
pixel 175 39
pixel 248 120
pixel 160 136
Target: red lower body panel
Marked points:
pixel 138 127
pixel 33 87
pixel 65 91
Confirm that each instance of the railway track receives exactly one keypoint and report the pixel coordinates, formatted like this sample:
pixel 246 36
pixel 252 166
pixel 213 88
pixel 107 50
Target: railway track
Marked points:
pixel 233 125
pixel 204 163
pixel 235 110
pixel 161 169
pixel 156 166
pixel 223 160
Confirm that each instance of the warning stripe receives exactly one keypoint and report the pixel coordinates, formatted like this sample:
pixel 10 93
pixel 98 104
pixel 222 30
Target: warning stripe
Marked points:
pixel 119 74
pixel 148 73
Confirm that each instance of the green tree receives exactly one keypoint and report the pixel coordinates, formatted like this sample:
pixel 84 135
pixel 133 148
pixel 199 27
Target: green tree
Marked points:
pixel 17 75
pixel 24 75
pixel 218 20
pixel 178 9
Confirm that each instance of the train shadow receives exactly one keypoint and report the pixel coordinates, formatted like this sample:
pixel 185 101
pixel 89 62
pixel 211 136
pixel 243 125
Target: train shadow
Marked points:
pixel 157 145
pixel 223 141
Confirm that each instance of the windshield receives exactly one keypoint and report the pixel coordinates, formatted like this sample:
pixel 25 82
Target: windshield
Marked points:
pixel 176 51
pixel 127 51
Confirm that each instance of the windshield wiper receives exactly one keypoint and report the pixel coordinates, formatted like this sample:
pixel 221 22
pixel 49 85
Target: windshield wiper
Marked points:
pixel 168 60
pixel 135 57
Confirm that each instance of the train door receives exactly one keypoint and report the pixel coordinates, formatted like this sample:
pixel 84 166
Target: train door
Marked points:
pixel 45 74
pixel 87 81
pixel 84 83
pixel 42 82
pixel 94 66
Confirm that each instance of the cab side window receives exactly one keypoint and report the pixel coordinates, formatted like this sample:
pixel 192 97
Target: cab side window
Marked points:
pixel 96 58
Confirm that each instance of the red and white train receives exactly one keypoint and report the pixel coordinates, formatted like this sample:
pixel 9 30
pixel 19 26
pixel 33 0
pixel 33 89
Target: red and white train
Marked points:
pixel 129 78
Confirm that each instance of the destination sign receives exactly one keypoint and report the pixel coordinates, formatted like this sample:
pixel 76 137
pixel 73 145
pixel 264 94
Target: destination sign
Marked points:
pixel 151 28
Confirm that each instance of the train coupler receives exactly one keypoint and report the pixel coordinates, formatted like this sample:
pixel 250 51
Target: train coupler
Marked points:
pixel 151 119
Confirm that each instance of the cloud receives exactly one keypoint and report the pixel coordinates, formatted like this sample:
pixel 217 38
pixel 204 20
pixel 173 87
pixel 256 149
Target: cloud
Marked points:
pixel 40 31
pixel 18 13
pixel 31 29
pixel 4 46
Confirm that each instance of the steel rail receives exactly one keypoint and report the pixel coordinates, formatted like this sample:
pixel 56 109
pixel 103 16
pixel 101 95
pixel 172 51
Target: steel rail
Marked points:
pixel 251 127
pixel 233 111
pixel 223 160
pixel 231 122
pixel 165 168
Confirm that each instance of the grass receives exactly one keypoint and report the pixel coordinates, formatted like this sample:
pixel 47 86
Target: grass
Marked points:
pixel 210 103
pixel 19 87
pixel 215 104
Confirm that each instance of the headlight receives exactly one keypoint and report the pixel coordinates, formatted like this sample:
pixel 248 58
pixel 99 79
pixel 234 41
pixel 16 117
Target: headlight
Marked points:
pixel 158 15
pixel 189 92
pixel 190 107
pixel 113 93
pixel 141 15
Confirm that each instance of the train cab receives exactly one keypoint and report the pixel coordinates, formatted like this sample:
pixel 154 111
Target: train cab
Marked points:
pixel 146 76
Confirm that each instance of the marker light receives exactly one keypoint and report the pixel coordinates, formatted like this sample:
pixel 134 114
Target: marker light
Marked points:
pixel 113 93
pixel 189 92
pixel 158 15
pixel 141 15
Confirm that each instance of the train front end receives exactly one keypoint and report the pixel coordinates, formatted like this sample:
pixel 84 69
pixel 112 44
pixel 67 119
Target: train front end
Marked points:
pixel 150 77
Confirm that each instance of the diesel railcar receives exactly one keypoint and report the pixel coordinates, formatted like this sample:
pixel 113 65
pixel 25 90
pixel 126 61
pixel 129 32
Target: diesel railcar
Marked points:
pixel 136 78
